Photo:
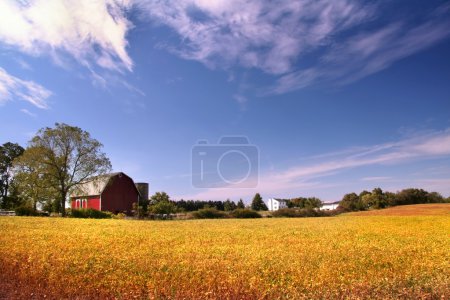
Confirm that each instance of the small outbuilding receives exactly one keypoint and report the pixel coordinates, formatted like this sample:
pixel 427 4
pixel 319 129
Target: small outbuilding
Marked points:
pixel 114 192
pixel 329 206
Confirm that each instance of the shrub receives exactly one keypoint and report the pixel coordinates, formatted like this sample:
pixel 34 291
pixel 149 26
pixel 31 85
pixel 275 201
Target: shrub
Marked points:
pixel 299 213
pixel 119 216
pixel 208 213
pixel 163 207
pixel 90 213
pixel 26 211
pixel 245 214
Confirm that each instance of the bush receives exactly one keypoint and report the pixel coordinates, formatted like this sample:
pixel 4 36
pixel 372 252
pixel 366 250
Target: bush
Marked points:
pixel 90 213
pixel 299 213
pixel 163 207
pixel 245 214
pixel 26 211
pixel 208 213
pixel 119 216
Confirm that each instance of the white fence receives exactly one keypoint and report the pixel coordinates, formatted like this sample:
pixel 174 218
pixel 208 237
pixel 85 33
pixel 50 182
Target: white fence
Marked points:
pixel 7 213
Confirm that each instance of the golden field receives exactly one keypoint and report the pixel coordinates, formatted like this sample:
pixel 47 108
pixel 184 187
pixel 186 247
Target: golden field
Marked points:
pixel 321 258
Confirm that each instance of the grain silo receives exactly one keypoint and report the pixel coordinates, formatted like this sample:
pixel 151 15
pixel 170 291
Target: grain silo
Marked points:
pixel 142 187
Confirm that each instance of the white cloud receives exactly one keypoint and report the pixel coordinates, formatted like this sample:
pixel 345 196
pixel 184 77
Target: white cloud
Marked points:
pixel 12 87
pixel 306 177
pixel 367 53
pixel 24 65
pixel 376 178
pixel 27 112
pixel 300 43
pixel 93 32
pixel 268 35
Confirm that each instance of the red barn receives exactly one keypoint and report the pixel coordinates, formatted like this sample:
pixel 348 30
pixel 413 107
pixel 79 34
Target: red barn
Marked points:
pixel 115 192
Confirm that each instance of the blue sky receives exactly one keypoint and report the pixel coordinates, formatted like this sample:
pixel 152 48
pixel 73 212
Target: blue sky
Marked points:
pixel 337 96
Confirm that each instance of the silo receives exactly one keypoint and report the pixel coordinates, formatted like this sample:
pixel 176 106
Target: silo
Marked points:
pixel 142 187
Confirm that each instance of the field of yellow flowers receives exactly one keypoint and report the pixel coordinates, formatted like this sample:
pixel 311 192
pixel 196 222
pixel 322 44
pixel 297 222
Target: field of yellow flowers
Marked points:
pixel 335 257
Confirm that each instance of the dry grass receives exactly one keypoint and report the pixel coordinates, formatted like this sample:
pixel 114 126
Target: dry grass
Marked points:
pixel 319 258
pixel 435 209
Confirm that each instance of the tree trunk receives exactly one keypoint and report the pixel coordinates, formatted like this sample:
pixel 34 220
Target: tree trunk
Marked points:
pixel 62 207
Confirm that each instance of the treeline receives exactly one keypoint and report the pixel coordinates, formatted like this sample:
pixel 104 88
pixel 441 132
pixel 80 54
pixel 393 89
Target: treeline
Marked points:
pixel 378 199
pixel 160 203
pixel 257 204
pixel 301 202
pixel 194 205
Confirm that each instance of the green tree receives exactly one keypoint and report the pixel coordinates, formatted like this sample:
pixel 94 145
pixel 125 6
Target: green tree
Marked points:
pixel 369 200
pixel 376 199
pixel 13 200
pixel 297 202
pixel 313 202
pixel 258 203
pixel 351 202
pixel 163 207
pixel 31 182
pixel 363 193
pixel 301 202
pixel 159 197
pixel 240 204
pixel 435 197
pixel 229 205
pixel 69 157
pixel 391 198
pixel 8 152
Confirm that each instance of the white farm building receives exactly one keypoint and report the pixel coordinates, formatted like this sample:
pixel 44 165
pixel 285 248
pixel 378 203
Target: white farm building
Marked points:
pixel 276 204
pixel 329 206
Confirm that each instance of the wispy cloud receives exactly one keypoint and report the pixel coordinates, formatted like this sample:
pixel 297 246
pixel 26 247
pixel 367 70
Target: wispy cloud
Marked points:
pixel 241 100
pixel 308 176
pixel 92 32
pixel 27 112
pixel 376 178
pixel 23 64
pixel 12 87
pixel 300 43
pixel 268 35
pixel 369 52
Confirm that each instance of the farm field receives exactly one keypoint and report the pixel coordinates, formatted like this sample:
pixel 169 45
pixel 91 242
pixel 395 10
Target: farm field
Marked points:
pixel 435 209
pixel 337 257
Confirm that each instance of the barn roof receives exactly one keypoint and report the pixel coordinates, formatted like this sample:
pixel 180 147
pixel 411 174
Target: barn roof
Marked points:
pixel 95 186
pixel 330 203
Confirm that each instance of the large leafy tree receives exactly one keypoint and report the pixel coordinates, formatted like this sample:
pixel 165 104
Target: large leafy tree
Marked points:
pixel 376 199
pixel 352 202
pixel 66 157
pixel 8 152
pixel 160 204
pixel 31 181
pixel 159 197
pixel 164 207
pixel 258 203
